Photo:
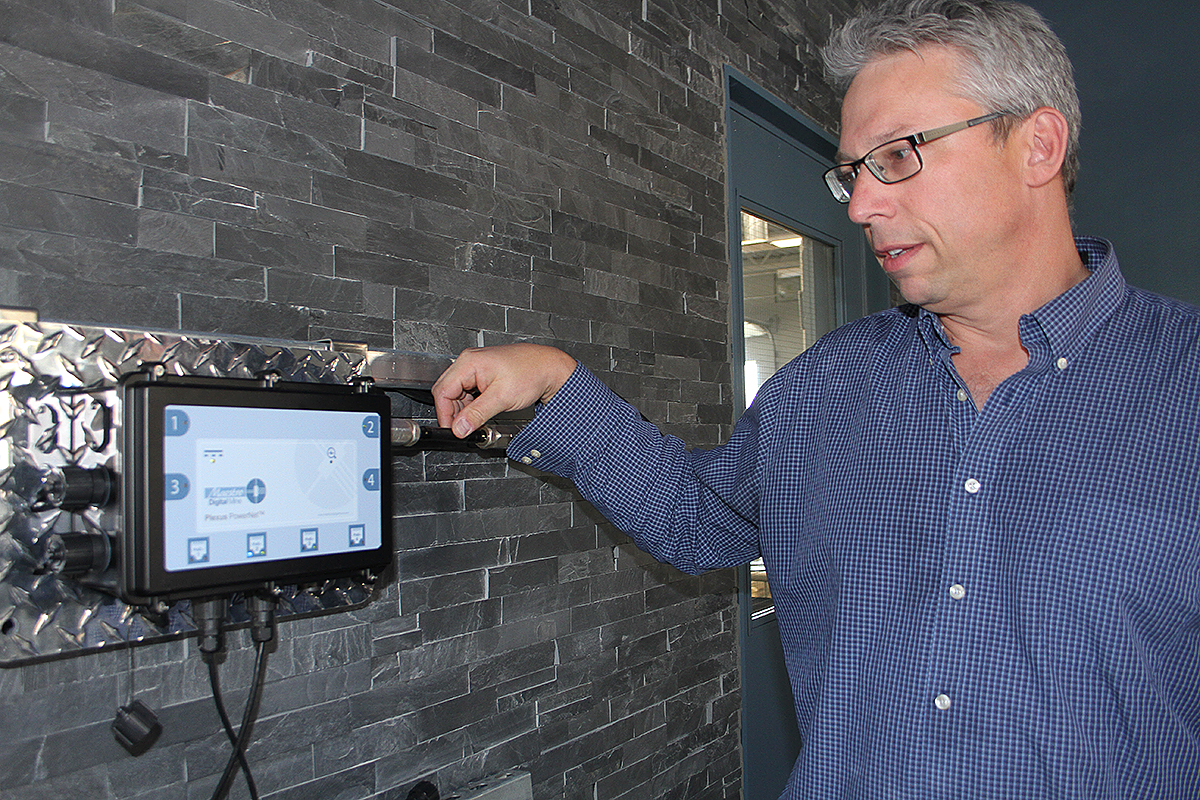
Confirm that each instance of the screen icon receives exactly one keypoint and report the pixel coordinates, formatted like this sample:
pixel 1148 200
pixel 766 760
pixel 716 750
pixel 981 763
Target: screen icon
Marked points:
pixel 256 545
pixel 358 535
pixel 176 486
pixel 198 550
pixel 308 540
pixel 256 491
pixel 370 480
pixel 175 422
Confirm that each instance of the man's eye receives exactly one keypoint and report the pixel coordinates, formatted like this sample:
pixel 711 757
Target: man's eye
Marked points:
pixel 895 154
pixel 846 174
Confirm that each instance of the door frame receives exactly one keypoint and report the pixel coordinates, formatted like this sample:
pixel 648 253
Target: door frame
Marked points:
pixel 860 288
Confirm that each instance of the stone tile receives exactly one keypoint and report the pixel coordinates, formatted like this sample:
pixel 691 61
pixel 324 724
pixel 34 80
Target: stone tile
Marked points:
pixel 386 238
pixel 175 233
pixel 294 116
pixel 407 179
pixel 246 26
pixel 160 28
pixel 460 52
pixel 251 171
pixel 379 268
pixel 272 250
pixel 22 116
pixel 234 317
pixel 53 212
pixel 151 120
pixel 364 199
pixel 287 217
pixel 446 74
pixel 288 148
pixel 414 88
pixel 50 166
pixel 91 782
pixel 38 33
pixel 428 176
pixel 313 291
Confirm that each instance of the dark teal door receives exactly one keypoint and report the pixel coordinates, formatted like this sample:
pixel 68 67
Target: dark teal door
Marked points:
pixel 799 268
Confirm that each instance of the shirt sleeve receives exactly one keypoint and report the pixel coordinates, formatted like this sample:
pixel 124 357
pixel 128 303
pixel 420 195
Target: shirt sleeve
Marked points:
pixel 694 509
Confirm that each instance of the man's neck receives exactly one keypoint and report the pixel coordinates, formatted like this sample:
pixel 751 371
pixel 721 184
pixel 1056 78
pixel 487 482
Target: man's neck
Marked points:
pixel 988 338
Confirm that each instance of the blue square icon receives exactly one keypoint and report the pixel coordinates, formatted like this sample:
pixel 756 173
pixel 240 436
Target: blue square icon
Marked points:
pixel 198 550
pixel 256 545
pixel 308 540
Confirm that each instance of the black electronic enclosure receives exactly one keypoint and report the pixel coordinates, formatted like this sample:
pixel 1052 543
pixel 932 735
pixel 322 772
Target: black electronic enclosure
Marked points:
pixel 233 485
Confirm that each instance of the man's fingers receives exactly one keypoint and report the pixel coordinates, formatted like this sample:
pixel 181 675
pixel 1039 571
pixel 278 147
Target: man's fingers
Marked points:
pixel 469 393
pixel 484 382
pixel 451 391
pixel 473 415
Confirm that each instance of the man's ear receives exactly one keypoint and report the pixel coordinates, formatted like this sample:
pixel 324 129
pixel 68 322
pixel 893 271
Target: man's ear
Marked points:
pixel 1045 135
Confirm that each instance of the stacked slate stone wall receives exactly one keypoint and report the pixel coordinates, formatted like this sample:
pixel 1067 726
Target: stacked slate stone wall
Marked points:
pixel 424 175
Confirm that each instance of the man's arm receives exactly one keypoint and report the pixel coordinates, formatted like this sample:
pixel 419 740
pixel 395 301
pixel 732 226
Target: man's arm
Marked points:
pixel 484 382
pixel 696 510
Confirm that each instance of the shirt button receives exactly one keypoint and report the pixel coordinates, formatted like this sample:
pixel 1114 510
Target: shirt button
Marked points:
pixel 962 396
pixel 535 453
pixel 957 591
pixel 942 702
pixel 1061 363
pixel 526 460
pixel 972 486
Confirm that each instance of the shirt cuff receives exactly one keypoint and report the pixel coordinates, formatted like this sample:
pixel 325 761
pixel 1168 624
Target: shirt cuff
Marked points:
pixel 568 427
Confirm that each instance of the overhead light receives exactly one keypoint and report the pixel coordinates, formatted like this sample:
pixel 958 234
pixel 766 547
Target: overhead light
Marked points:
pixel 753 329
pixel 793 242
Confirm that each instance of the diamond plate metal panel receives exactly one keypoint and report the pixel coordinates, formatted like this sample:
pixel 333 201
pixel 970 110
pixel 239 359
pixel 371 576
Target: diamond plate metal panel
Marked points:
pixel 59 407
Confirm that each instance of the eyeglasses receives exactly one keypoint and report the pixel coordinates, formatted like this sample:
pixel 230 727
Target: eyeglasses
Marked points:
pixel 894 161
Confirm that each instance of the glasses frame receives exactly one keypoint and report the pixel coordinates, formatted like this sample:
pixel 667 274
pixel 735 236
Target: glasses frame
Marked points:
pixel 842 195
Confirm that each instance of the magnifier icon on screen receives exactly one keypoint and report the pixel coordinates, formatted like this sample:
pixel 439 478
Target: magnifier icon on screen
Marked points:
pixel 332 454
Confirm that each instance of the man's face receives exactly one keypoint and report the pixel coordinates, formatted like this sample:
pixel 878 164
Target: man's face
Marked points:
pixel 945 236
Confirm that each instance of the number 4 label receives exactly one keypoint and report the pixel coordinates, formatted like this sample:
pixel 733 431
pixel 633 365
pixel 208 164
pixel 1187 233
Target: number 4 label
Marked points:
pixel 371 480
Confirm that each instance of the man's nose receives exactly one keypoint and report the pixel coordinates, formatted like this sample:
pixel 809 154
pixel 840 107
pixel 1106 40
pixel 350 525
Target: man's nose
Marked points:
pixel 869 197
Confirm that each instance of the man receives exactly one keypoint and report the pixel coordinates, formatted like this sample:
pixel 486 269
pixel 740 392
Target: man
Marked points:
pixel 978 512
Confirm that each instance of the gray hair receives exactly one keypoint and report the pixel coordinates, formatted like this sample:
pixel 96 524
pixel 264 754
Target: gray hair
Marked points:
pixel 1012 60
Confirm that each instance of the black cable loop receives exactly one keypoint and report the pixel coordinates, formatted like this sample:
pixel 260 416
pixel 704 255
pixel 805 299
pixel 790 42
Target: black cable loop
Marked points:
pixel 260 670
pixel 215 682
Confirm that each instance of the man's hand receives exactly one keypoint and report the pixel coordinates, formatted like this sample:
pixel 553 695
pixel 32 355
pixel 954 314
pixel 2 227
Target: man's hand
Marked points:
pixel 486 381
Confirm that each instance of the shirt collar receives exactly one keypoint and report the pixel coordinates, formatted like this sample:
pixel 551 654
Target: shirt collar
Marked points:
pixel 1069 320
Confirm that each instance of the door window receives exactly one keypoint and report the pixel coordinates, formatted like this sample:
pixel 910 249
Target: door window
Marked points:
pixel 789 301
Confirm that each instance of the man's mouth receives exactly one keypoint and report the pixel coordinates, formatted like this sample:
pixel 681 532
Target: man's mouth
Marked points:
pixel 892 257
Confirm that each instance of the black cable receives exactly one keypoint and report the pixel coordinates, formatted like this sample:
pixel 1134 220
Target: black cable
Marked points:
pixel 215 682
pixel 262 630
pixel 260 669
pixel 209 615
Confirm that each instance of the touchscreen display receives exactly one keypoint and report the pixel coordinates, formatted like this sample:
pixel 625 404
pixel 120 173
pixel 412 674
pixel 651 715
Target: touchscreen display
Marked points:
pixel 232 486
pixel 240 487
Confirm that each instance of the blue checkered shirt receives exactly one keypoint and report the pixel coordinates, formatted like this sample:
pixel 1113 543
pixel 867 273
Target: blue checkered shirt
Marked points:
pixel 973 604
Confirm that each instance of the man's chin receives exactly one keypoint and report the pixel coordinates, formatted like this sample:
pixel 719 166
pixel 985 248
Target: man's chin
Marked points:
pixel 918 293
pixel 906 289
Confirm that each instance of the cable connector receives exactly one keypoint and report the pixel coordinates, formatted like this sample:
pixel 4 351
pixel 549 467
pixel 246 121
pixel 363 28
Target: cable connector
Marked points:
pixel 73 488
pixel 261 609
pixel 209 615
